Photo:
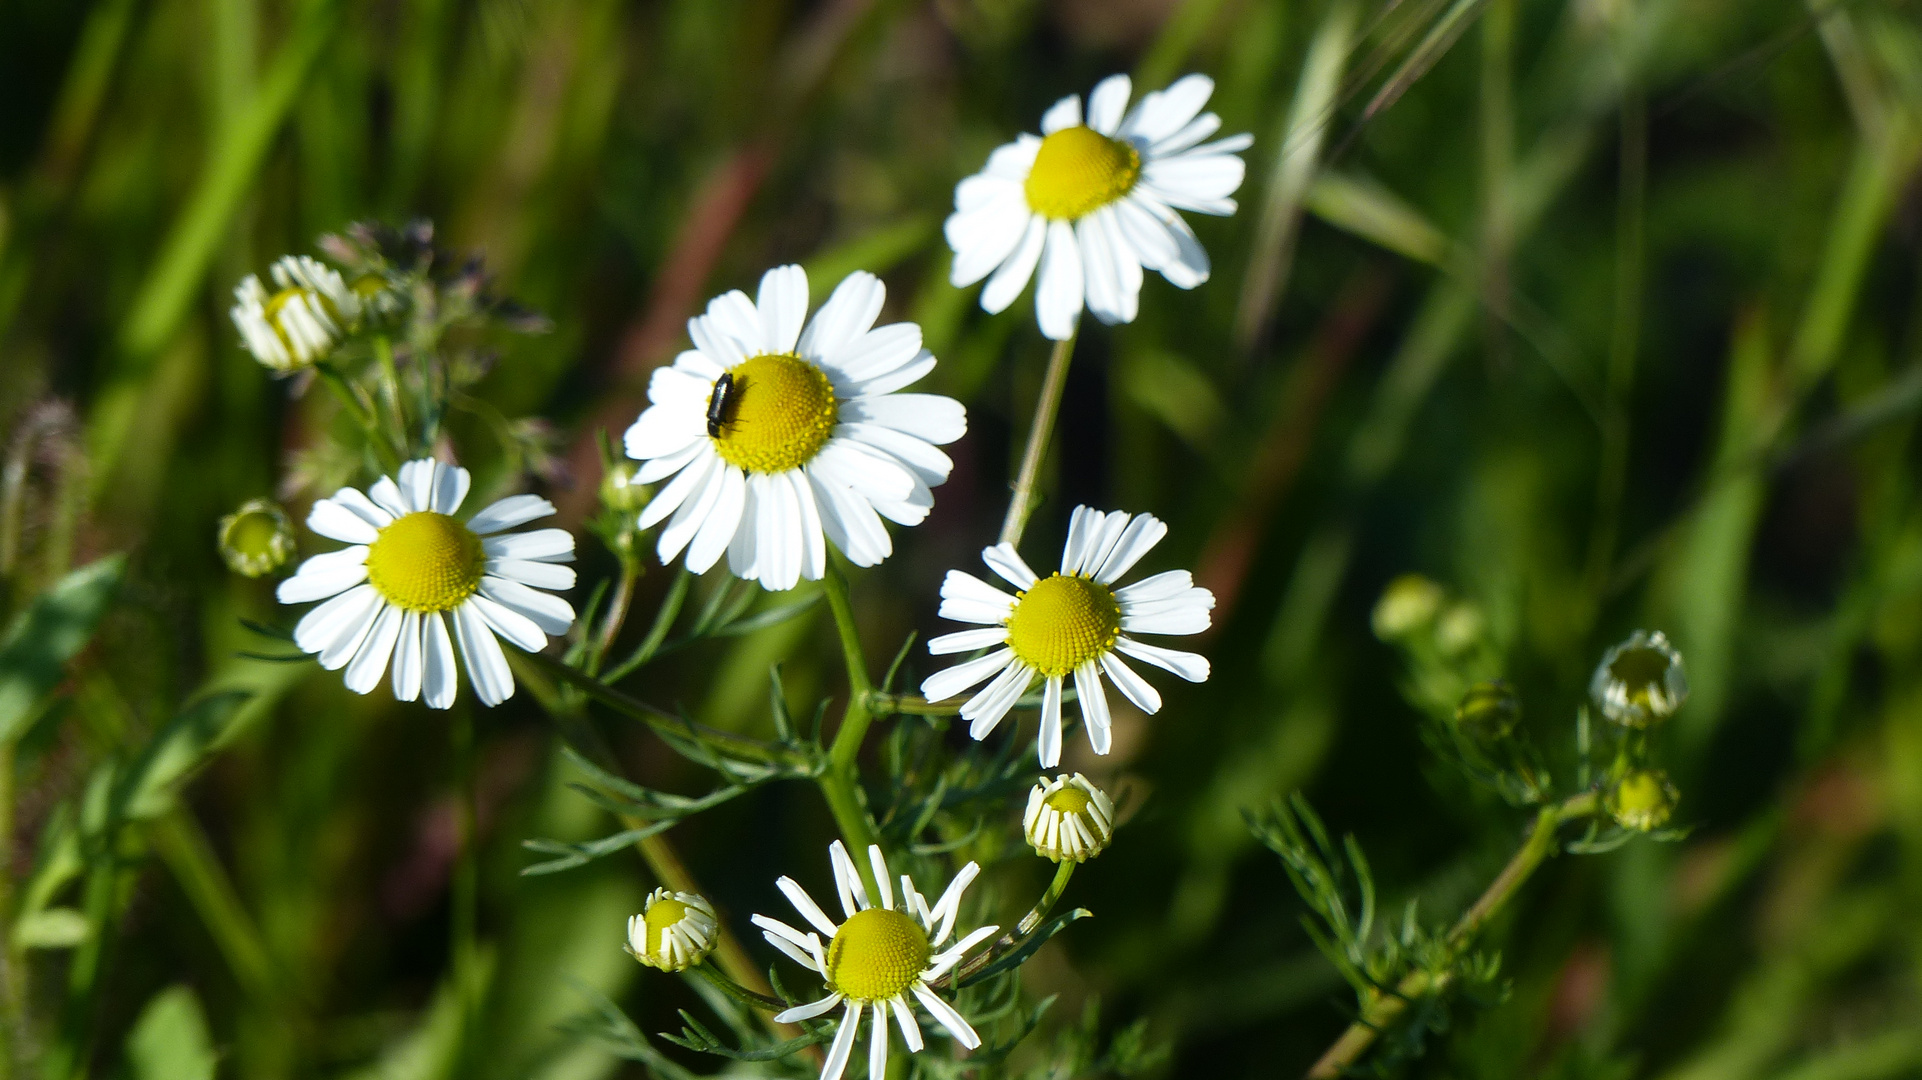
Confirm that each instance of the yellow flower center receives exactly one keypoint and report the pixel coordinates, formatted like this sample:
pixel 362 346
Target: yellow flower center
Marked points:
pixel 1078 170
pixel 426 562
pixel 777 415
pixel 1069 800
pixel 661 914
pixel 1062 623
pixel 876 955
pixel 255 534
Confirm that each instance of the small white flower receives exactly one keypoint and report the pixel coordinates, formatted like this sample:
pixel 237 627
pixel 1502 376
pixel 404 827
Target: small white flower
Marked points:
pixel 1094 202
pixel 1068 819
pixel 1641 681
pixel 674 931
pixel 310 312
pixel 412 567
pixel 783 436
pixel 879 959
pixel 1072 623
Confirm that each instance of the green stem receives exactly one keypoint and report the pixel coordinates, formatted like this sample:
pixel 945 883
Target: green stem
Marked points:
pixel 656 634
pixel 363 413
pixel 1027 925
pixel 752 999
pixel 1383 1010
pixel 1044 413
pixel 390 393
pixel 617 609
pixel 840 781
pixel 911 705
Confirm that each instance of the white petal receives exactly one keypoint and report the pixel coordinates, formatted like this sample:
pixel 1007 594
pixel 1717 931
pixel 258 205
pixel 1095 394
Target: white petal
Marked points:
pixel 814 549
pixel 722 520
pixel 1108 102
pixel 783 304
pixel 1101 541
pixel 966 598
pixel 910 1028
pixel 1184 137
pixel 336 521
pixel 1103 229
pixel 541 575
pixel 541 545
pixel 315 583
pixel 1166 617
pixel 1162 586
pixel 407 658
pixel 850 521
pixel 1049 746
pixel 665 429
pixel 439 679
pixel 386 495
pixel 486 665
pixel 1132 686
pixel 1083 521
pixel 983 238
pixel 1142 534
pixel 808 1011
pixel 949 905
pixel 878 1041
pixel 950 682
pixel 507 623
pixel 692 482
pixel 1153 243
pixel 1190 266
pixel 985 710
pixel 837 1061
pixel 847 880
pixel 338 624
pixel 737 317
pixel 509 512
pixel 922 458
pixel 417 483
pixel 547 611
pixel 875 353
pixel 450 489
pixel 967 641
pixel 1006 562
pixel 1065 113
pixel 1012 276
pixel 850 310
pixel 693 512
pixel 370 660
pixel 948 1018
pixel 1094 707
pixel 930 417
pixel 1189 666
pixel 805 904
pixel 882 879
pixel 661 468
pixel 1058 299
pixel 1195 180
pixel 1163 112
pixel 715 343
pixel 875 475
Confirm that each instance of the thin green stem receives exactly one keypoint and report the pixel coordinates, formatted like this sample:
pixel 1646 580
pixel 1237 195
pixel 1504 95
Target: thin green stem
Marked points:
pixel 1045 409
pixel 362 411
pixel 1384 1010
pixel 657 634
pixel 668 725
pixel 390 393
pixel 617 609
pixel 911 705
pixel 840 781
pixel 1027 924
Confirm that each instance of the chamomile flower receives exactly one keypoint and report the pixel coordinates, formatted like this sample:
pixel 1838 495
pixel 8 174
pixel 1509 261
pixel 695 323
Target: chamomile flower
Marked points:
pixel 1068 819
pixel 879 960
pixel 413 568
pixel 1073 623
pixel 1640 682
pixel 310 312
pixel 1094 201
pixel 782 440
pixel 675 931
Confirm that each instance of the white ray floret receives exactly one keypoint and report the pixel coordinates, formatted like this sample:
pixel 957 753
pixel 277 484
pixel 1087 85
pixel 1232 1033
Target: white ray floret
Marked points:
pixel 782 439
pixel 879 960
pixel 311 310
pixel 413 568
pixel 1094 201
pixel 1075 623
pixel 674 931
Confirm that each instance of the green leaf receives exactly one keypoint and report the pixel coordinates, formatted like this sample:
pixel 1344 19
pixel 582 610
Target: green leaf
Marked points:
pixel 170 1040
pixel 1020 953
pixel 52 631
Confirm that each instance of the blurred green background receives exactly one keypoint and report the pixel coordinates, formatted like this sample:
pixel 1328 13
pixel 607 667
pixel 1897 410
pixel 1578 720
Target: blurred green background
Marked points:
pixel 1602 312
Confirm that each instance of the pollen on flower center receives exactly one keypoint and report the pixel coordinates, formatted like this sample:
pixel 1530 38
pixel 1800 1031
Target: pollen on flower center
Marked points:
pixel 661 914
pixel 425 562
pixel 1078 170
pixel 778 413
pixel 876 955
pixel 1063 622
pixel 1069 799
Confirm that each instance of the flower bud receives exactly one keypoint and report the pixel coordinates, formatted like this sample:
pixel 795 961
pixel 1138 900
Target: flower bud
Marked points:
pixel 257 538
pixel 1640 682
pixel 1489 712
pixel 674 932
pixel 306 318
pixel 1068 819
pixel 1406 605
pixel 1459 628
pixel 620 492
pixel 1642 800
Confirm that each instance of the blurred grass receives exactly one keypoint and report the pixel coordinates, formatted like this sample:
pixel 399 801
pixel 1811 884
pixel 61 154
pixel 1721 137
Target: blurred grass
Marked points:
pixel 1605 313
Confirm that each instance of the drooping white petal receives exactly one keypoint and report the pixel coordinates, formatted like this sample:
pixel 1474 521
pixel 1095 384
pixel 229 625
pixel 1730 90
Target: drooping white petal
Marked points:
pixel 549 612
pixel 1094 706
pixel 950 682
pixel 1012 276
pixel 352 612
pixel 837 1061
pixel 947 1017
pixel 878 1041
pixel 693 512
pixel 370 660
pixel 440 680
pixel 1190 666
pixel 408 661
pixel 1058 299
pixel 693 483
pixel 814 551
pixel 808 1011
pixel 850 521
pixel 1132 686
pixel 711 540
pixel 486 665
pixel 1049 745
pixel 910 1028
pixel 508 513
pixel 986 709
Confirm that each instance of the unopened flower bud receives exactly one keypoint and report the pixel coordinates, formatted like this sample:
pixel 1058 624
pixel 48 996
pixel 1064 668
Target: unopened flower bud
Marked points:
pixel 674 932
pixel 309 314
pixel 257 538
pixel 1489 711
pixel 1459 628
pixel 620 492
pixel 1406 605
pixel 1642 800
pixel 1068 819
pixel 1641 681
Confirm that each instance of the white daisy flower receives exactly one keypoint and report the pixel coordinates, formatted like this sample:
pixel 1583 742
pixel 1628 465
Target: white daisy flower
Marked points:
pixel 1068 819
pixel 674 931
pixel 1073 623
pixel 310 312
pixel 781 435
pixel 412 567
pixel 1093 202
pixel 879 959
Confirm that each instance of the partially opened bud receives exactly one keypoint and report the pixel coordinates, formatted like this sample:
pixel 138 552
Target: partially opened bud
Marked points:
pixel 1489 711
pixel 311 312
pixel 1068 819
pixel 257 538
pixel 1640 682
pixel 1643 800
pixel 675 931
pixel 1406 605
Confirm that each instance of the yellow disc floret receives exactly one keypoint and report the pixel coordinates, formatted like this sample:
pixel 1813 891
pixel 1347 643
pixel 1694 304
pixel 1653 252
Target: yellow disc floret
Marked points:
pixel 661 914
pixel 426 562
pixel 1078 170
pixel 876 955
pixel 777 415
pixel 1062 623
pixel 1069 799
